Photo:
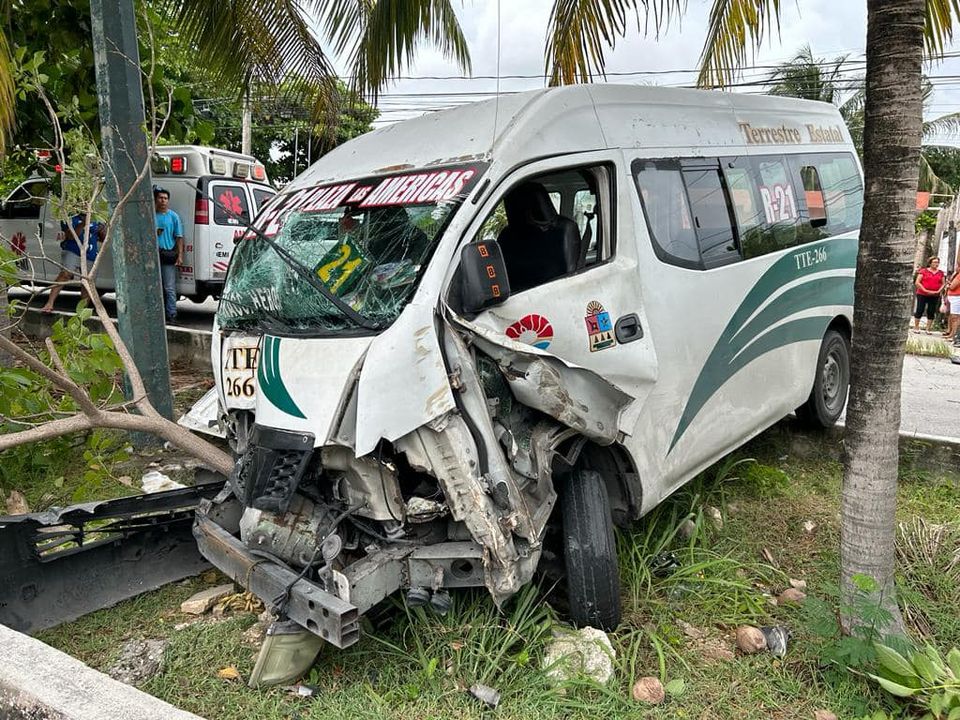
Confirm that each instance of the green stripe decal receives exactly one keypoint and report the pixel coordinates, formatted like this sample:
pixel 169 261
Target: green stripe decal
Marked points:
pixel 743 342
pixel 268 377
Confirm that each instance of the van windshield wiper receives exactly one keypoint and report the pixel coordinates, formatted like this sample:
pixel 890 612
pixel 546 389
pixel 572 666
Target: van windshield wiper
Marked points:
pixel 295 265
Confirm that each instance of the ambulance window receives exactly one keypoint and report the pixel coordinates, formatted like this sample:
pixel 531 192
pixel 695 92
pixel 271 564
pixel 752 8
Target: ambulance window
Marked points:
pixel 667 211
pixel 260 198
pixel 230 205
pixel 26 201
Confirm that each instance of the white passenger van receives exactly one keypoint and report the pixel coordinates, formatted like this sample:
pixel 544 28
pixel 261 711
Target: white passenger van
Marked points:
pixel 215 192
pixel 557 307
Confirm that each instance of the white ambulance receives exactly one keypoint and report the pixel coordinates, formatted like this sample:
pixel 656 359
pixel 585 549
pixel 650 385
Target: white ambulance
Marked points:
pixel 213 191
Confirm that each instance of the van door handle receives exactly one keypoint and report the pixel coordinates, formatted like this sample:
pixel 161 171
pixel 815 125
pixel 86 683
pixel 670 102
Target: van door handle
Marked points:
pixel 628 328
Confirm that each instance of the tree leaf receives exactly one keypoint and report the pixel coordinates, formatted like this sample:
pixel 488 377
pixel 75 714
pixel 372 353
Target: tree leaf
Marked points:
pixel 894 661
pixel 675 687
pixel 893 688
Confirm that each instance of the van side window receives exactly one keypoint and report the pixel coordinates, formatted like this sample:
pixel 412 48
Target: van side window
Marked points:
pixel 667 211
pixel 833 191
pixel 230 204
pixel 550 225
pixel 711 215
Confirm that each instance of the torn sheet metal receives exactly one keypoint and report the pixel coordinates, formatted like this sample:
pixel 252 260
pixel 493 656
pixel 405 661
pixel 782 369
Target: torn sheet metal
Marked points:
pixel 576 397
pixel 204 416
pixel 58 565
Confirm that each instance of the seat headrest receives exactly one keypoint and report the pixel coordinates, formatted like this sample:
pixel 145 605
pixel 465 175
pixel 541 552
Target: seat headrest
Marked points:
pixel 529 203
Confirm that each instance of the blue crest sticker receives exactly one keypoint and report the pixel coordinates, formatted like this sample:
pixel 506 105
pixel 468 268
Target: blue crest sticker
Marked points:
pixel 599 327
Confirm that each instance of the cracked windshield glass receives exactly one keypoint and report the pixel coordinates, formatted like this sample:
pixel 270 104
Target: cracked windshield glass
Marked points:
pixel 363 243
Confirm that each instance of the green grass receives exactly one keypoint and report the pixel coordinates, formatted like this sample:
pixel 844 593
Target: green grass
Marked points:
pixel 929 347
pixel 414 664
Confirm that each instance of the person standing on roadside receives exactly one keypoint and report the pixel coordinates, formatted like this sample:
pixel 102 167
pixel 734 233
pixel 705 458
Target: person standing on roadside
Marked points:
pixel 953 301
pixel 72 237
pixel 170 247
pixel 929 284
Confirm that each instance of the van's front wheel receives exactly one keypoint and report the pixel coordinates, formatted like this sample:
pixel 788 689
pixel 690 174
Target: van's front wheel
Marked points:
pixel 825 404
pixel 590 551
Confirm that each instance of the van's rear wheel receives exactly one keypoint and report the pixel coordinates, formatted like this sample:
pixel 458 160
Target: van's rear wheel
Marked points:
pixel 825 404
pixel 589 551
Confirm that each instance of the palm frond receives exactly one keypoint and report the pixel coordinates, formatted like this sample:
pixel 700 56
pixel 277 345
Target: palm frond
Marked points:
pixel 929 181
pixel 579 32
pixel 943 125
pixel 382 36
pixel 809 77
pixel 938 25
pixel 734 25
pixel 7 93
pixel 237 39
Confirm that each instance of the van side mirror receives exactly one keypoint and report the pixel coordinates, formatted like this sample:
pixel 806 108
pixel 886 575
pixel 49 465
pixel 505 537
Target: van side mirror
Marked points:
pixel 483 276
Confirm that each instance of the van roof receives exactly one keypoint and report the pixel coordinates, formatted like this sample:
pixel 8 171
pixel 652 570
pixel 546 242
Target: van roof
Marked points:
pixel 525 126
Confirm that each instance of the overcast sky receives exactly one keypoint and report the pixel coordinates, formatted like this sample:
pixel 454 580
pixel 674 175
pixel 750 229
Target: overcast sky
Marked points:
pixel 831 27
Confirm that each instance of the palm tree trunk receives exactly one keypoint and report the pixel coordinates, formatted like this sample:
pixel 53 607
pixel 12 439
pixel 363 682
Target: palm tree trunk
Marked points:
pixel 891 154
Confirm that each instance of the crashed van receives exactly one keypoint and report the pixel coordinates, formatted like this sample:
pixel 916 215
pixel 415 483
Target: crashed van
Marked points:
pixel 460 335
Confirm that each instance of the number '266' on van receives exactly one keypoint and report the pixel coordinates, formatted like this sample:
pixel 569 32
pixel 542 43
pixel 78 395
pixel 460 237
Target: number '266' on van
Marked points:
pixel 463 340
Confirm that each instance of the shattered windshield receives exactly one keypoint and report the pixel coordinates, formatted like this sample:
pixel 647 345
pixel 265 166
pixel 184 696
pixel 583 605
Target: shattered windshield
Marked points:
pixel 340 257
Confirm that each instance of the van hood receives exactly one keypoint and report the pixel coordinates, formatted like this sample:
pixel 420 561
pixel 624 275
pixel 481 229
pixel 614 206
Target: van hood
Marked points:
pixel 303 383
pixel 357 389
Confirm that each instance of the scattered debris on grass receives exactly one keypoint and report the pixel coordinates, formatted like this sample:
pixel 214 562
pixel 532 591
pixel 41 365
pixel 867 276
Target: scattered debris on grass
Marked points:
pixel 17 503
pixel 155 481
pixel 585 652
pixel 791 596
pixel 228 673
pixel 750 640
pixel 485 694
pixel 649 690
pixel 205 599
pixel 139 661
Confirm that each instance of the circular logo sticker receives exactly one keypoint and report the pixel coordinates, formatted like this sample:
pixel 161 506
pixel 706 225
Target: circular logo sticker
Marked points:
pixel 533 330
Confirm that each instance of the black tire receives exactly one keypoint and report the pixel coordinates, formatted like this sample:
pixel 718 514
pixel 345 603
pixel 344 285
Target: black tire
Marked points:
pixel 831 383
pixel 589 551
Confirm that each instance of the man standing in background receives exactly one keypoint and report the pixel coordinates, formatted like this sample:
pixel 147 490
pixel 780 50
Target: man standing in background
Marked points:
pixel 170 246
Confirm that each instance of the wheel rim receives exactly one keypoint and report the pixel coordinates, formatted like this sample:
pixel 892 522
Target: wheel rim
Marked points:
pixel 833 380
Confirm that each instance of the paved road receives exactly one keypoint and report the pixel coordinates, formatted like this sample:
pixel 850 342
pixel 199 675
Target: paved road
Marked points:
pixel 930 404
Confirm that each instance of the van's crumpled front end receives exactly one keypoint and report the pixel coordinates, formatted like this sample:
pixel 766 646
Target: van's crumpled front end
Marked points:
pixel 322 531
pixel 381 444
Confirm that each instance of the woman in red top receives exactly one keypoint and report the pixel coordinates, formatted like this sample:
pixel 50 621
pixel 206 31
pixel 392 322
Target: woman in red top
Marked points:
pixel 953 300
pixel 929 284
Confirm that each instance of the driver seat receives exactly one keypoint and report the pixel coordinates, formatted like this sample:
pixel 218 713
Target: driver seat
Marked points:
pixel 538 244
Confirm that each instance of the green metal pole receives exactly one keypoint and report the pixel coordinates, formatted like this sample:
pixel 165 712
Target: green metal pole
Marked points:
pixel 136 266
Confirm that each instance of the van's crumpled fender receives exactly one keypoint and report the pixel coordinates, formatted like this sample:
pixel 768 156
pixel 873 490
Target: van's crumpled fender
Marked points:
pixel 575 396
pixel 446 451
pixel 403 383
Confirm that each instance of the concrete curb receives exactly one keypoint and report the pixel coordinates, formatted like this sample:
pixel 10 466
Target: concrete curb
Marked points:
pixel 185 346
pixel 38 682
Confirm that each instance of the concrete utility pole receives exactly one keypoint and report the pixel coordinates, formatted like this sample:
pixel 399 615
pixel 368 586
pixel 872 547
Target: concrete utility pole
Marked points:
pixel 246 125
pixel 136 265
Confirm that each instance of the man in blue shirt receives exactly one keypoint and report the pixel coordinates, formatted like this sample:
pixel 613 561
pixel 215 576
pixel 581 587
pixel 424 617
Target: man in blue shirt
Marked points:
pixel 170 246
pixel 71 238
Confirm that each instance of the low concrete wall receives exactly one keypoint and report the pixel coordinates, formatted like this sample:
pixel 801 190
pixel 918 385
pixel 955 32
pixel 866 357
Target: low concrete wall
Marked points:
pixel 185 346
pixel 40 683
